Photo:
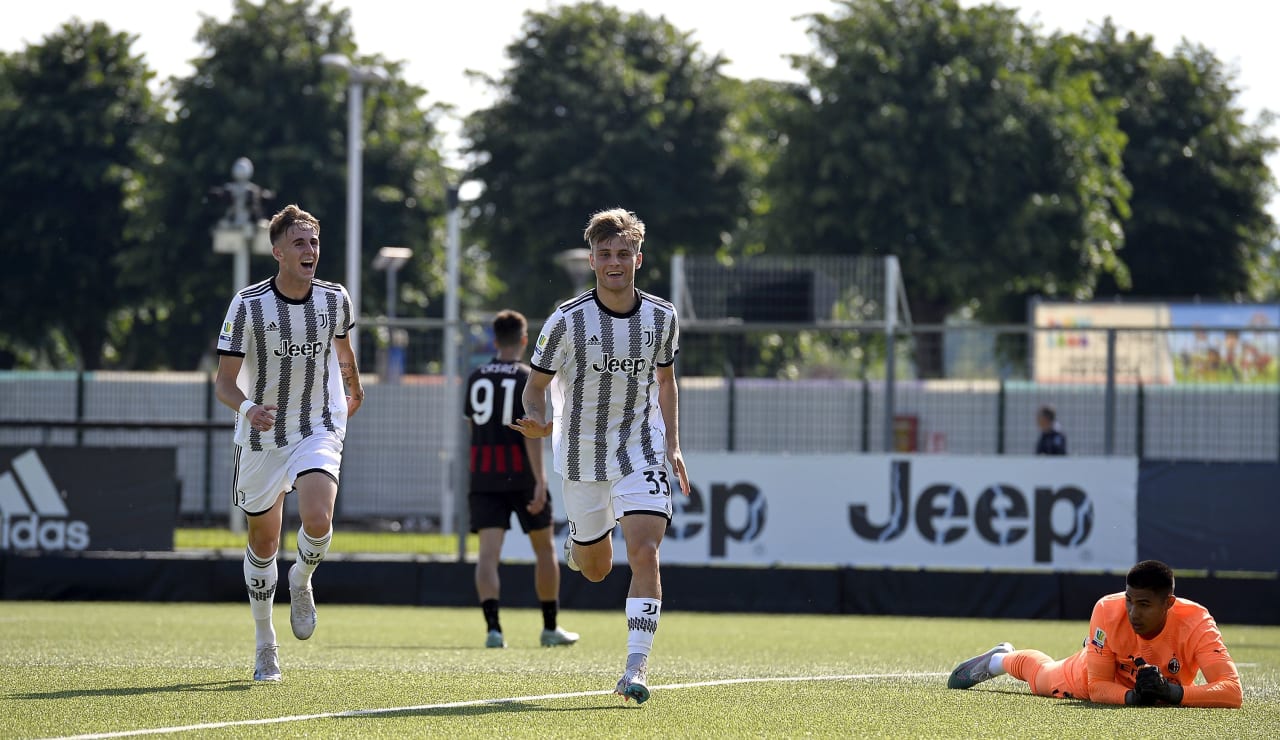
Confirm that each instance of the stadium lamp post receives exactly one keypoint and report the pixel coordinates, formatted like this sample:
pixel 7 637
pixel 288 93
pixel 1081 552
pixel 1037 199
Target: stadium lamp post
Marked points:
pixel 452 503
pixel 242 228
pixel 576 262
pixel 391 259
pixel 357 77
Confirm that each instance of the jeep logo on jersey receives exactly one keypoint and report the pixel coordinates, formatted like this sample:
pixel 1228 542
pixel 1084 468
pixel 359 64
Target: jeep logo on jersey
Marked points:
pixel 625 365
pixel 1001 515
pixel 305 349
pixel 32 513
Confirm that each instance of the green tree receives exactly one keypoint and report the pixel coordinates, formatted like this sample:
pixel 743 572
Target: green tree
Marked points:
pixel 600 109
pixel 755 140
pixel 1198 224
pixel 76 119
pixel 259 90
pixel 927 132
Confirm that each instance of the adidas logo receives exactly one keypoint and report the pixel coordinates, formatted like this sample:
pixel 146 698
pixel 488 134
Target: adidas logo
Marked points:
pixel 32 513
pixel 593 340
pixel 272 326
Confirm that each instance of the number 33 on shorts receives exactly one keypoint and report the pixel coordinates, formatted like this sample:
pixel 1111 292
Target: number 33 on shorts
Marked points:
pixel 658 480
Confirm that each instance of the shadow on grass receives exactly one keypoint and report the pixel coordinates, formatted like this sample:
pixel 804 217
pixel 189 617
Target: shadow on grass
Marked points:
pixel 532 646
pixel 1064 701
pixel 176 688
pixel 477 710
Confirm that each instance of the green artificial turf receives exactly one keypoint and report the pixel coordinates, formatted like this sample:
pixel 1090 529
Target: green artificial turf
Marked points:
pixel 98 668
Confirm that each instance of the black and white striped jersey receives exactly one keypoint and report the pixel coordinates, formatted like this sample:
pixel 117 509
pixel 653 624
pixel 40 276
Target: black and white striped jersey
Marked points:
pixel 289 359
pixel 605 393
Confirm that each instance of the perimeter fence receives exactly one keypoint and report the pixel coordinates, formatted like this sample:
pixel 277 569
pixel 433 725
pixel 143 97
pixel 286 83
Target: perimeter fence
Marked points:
pixel 1151 393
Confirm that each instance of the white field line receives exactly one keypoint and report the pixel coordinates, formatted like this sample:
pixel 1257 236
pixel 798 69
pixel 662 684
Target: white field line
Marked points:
pixel 479 702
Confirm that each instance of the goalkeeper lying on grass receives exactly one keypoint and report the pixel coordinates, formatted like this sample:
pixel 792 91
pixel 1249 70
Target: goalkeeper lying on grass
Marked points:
pixel 1144 648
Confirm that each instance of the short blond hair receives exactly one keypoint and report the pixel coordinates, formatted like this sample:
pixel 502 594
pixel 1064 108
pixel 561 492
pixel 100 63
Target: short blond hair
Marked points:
pixel 288 217
pixel 615 222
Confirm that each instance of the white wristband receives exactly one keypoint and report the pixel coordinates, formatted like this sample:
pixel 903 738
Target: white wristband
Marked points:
pixel 244 407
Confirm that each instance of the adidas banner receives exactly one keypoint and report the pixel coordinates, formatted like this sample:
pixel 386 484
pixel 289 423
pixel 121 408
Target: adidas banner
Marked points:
pixel 87 498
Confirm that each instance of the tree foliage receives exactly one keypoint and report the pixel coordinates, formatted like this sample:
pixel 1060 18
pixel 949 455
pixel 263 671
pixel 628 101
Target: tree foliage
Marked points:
pixel 600 109
pixel 259 90
pixel 928 134
pixel 1198 224
pixel 76 121
pixel 995 163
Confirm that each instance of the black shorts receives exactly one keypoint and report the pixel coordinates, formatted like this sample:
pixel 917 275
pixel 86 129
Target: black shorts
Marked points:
pixel 494 509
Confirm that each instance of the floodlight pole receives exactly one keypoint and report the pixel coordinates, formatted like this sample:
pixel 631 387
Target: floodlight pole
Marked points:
pixel 450 491
pixel 355 157
pixel 357 76
pixel 890 344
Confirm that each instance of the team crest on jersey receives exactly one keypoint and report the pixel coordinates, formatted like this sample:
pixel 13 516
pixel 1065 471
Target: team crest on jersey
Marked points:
pixel 324 320
pixel 1099 638
pixel 649 334
pixel 1174 665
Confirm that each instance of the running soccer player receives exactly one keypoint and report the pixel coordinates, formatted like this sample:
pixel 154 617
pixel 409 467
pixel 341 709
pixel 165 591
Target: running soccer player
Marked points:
pixel 612 352
pixel 506 478
pixel 1145 646
pixel 284 357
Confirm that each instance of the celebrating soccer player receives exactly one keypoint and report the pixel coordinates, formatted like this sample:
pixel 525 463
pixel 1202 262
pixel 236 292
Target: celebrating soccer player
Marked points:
pixel 1144 647
pixel 613 351
pixel 284 356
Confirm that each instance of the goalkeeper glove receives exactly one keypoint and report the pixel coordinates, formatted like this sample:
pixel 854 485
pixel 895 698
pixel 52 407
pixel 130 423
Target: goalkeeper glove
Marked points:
pixel 1151 686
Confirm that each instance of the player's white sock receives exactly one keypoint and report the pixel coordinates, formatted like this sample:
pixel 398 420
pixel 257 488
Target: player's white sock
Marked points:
pixel 311 550
pixel 997 664
pixel 642 623
pixel 260 577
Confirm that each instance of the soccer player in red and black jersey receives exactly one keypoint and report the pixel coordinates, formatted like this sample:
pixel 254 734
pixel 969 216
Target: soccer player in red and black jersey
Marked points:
pixel 507 477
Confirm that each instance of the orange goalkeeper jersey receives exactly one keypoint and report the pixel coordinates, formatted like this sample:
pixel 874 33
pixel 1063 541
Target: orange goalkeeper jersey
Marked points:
pixel 1190 642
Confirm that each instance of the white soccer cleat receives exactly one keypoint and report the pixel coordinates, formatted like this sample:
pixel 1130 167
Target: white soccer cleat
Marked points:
pixel 634 683
pixel 558 636
pixel 267 665
pixel 494 640
pixel 568 554
pixel 302 610
pixel 976 669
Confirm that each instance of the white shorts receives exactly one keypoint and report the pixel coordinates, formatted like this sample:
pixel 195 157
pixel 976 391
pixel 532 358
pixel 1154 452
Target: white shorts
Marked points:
pixel 594 507
pixel 260 477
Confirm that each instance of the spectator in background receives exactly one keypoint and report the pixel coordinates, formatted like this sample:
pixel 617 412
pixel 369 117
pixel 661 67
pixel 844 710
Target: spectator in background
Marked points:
pixel 1052 440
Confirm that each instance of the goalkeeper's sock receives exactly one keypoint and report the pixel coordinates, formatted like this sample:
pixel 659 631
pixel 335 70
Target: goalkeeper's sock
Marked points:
pixel 642 623
pixel 311 550
pixel 997 664
pixel 260 578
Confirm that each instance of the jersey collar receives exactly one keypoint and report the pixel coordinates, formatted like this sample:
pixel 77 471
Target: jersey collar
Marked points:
pixel 634 309
pixel 287 299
